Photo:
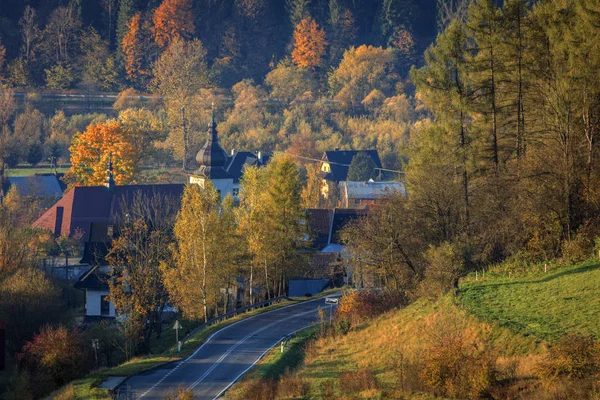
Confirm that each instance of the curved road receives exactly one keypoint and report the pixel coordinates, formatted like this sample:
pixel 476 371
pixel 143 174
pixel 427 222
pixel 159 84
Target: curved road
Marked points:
pixel 225 356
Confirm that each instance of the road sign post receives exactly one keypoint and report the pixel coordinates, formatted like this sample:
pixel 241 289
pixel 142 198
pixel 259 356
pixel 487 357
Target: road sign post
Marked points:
pixel 177 327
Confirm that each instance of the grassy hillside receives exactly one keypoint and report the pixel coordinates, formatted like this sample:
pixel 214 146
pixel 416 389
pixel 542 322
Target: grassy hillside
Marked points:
pixel 543 305
pixel 511 321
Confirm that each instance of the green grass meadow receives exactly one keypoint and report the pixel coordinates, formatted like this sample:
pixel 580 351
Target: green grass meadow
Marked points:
pixel 545 305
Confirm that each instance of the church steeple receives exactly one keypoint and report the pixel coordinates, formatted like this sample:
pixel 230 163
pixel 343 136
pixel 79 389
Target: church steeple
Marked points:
pixel 212 158
pixel 110 180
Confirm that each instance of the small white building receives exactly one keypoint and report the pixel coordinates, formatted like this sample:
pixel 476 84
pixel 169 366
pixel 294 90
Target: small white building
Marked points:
pixel 95 285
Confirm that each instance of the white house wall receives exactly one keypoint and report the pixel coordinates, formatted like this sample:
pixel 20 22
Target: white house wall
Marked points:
pixel 92 303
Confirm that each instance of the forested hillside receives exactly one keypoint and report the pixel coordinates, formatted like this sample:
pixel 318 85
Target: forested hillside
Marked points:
pixel 111 44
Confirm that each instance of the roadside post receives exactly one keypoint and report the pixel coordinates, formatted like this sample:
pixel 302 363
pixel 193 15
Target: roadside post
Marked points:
pixel 177 327
pixel 95 345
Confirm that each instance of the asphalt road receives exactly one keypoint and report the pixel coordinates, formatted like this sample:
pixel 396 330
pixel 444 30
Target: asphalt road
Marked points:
pixel 225 356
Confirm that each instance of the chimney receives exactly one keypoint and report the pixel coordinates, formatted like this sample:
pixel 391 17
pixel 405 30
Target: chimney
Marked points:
pixel 260 156
pixel 232 152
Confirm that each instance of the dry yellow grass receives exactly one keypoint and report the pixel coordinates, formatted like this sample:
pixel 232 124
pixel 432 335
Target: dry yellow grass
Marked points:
pixel 391 347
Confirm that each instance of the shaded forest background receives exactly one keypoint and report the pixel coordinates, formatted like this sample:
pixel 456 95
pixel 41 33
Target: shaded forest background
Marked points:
pixel 242 39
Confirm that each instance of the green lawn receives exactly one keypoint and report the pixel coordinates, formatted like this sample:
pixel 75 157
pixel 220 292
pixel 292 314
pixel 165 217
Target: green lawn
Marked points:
pixel 544 305
pixel 33 171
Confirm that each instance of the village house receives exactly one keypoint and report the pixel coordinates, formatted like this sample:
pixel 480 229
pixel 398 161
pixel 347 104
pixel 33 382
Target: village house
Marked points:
pixel 367 194
pixel 335 165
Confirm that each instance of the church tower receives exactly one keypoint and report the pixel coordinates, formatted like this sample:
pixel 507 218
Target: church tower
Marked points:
pixel 213 159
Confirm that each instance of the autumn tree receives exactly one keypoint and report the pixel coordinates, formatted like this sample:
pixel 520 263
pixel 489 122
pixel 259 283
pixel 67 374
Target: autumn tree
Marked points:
pixel 132 48
pixel 383 246
pixel 136 261
pixel 309 44
pixel 8 145
pixel 361 70
pixel 29 30
pixel 61 33
pixel 180 74
pixel 202 252
pixel 96 63
pixel 173 19
pixel 283 216
pixel 251 214
pixel 54 357
pixel 288 81
pixel 91 150
pixel 29 293
pixel 311 190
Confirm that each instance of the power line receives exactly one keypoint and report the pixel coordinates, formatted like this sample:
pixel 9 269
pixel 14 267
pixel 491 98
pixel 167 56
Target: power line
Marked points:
pixel 347 165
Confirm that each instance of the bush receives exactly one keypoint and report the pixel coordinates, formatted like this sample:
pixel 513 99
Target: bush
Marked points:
pixel 356 307
pixel 262 389
pixel 573 251
pixel 55 357
pixel 352 382
pixel 444 264
pixel 180 394
pixel 457 361
pixel 573 357
pixel 292 386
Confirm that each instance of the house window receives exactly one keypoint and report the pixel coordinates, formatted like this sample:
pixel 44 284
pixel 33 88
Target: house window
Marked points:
pixel 104 305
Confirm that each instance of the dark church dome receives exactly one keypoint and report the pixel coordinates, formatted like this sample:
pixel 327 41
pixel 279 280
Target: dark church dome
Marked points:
pixel 212 154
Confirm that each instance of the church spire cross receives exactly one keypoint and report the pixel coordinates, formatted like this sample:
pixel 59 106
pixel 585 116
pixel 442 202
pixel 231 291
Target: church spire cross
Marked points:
pixel 110 179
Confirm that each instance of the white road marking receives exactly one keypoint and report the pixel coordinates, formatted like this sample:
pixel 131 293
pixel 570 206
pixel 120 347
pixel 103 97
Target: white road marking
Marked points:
pixel 218 362
pixel 219 331
pixel 259 358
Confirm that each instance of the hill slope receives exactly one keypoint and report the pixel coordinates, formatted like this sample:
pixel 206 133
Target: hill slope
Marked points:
pixel 545 305
pixel 506 322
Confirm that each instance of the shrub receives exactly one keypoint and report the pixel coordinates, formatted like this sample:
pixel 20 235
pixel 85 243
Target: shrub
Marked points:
pixel 574 356
pixel 55 356
pixel 261 389
pixel 292 386
pixel 327 389
pixel 356 307
pixel 352 382
pixel 180 394
pixel 573 251
pixel 443 266
pixel 457 361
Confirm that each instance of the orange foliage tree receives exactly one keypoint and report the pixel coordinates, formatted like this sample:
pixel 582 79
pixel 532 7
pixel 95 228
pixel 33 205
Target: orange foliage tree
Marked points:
pixel 91 149
pixel 309 44
pixel 133 49
pixel 173 19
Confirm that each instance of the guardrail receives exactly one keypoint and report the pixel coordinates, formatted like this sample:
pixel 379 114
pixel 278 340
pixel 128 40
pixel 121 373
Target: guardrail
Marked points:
pixel 234 313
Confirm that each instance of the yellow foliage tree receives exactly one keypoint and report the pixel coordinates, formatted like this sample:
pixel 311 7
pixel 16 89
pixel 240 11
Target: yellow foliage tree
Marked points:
pixel 309 44
pixel 91 150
